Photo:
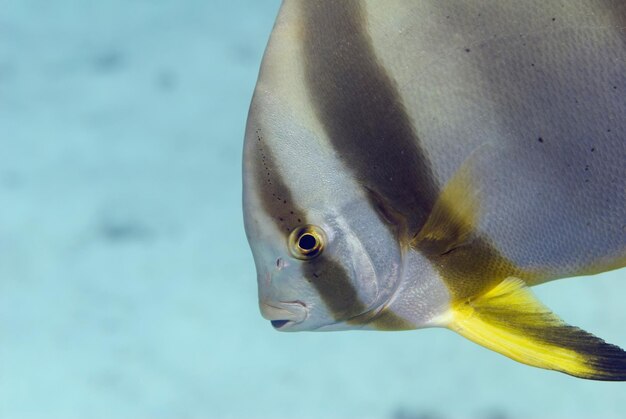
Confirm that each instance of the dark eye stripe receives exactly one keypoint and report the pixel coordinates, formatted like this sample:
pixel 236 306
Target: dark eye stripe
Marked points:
pixel 332 282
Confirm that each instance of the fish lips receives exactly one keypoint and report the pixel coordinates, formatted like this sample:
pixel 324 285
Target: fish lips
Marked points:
pixel 284 315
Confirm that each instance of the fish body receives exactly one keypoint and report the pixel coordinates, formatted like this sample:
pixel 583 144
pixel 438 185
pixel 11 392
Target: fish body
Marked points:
pixel 422 164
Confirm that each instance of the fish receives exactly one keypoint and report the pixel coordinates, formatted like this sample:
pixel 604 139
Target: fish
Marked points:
pixel 414 164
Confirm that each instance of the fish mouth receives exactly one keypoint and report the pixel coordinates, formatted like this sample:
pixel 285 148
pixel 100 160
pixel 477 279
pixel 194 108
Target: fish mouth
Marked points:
pixel 277 324
pixel 283 315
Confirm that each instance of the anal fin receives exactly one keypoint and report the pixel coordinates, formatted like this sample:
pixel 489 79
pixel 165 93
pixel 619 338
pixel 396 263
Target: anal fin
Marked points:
pixel 510 320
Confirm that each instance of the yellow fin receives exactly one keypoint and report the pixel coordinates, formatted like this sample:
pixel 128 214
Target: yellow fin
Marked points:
pixel 454 216
pixel 466 259
pixel 510 320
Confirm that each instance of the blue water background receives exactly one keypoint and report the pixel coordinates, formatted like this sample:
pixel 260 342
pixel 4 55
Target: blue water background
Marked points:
pixel 127 289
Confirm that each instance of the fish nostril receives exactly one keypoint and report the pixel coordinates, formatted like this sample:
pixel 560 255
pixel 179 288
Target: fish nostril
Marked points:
pixel 281 264
pixel 279 323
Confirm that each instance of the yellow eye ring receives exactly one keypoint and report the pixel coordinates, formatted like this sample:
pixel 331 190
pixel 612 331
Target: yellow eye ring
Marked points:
pixel 306 242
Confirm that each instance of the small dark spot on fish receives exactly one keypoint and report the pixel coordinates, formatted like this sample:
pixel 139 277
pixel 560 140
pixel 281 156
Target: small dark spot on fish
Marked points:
pixel 608 130
pixel 316 275
pixel 593 149
pixel 553 19
pixel 586 168
pixel 109 61
pixel 615 87
pixel 467 50
pixel 540 139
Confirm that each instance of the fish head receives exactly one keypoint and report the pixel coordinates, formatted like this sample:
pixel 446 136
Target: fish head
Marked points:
pixel 325 257
pixel 322 273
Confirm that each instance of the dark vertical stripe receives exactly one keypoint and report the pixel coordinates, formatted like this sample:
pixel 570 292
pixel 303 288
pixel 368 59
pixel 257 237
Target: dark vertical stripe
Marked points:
pixel 333 284
pixel 359 106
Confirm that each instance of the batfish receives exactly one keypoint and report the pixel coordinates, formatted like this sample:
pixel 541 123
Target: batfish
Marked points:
pixel 411 164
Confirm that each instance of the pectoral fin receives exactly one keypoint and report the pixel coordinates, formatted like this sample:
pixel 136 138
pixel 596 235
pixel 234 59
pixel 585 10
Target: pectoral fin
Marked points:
pixel 510 320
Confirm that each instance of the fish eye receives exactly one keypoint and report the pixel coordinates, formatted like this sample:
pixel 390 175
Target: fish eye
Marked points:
pixel 306 242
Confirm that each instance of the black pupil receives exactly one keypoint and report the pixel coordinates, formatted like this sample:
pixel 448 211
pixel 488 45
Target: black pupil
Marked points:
pixel 307 242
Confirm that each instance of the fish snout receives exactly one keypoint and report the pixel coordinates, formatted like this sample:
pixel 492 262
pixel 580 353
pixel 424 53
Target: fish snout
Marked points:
pixel 282 315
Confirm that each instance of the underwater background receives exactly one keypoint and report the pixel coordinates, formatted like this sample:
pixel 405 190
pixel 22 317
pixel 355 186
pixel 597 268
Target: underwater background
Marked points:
pixel 127 288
